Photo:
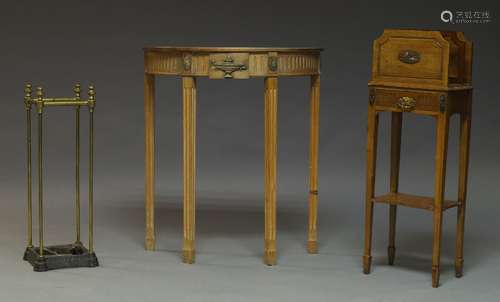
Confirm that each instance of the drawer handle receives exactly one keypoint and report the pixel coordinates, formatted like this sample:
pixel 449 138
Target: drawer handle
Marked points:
pixel 228 66
pixel 409 56
pixel 406 103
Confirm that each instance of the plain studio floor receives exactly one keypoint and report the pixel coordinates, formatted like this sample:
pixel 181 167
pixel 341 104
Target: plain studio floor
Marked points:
pixel 228 262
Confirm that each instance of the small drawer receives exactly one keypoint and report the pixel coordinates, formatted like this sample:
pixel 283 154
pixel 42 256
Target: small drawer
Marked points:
pixel 411 58
pixel 415 58
pixel 408 101
pixel 228 66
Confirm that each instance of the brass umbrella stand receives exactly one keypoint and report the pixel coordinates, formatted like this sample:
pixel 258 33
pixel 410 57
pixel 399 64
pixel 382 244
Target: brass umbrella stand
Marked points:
pixel 44 258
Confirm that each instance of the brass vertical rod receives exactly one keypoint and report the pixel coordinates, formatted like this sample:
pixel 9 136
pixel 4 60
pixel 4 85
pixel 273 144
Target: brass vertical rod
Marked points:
pixel 91 180
pixel 29 176
pixel 77 174
pixel 40 180
pixel 91 104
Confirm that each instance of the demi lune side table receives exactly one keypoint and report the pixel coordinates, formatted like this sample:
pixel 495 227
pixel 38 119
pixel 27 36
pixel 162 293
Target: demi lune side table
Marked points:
pixel 230 63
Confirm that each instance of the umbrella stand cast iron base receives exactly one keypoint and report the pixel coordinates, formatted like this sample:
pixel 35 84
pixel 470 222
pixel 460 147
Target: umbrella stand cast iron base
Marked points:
pixel 60 256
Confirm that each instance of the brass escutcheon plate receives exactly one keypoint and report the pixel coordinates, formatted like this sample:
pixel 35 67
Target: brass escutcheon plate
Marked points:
pixel 406 103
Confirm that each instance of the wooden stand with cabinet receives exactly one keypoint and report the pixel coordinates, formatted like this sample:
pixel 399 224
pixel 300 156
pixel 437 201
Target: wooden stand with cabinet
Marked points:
pixel 426 73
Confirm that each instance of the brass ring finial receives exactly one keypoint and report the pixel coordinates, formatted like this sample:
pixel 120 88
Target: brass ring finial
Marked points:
pixel 27 89
pixel 39 99
pixel 39 92
pixel 91 98
pixel 77 91
pixel 27 95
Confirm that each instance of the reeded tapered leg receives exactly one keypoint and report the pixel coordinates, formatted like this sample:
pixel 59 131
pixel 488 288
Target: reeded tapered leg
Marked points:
pixel 312 243
pixel 189 136
pixel 465 124
pixel 371 156
pixel 149 92
pixel 396 124
pixel 440 175
pixel 270 150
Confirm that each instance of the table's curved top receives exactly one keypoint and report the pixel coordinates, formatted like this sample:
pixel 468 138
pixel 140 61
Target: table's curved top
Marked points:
pixel 231 49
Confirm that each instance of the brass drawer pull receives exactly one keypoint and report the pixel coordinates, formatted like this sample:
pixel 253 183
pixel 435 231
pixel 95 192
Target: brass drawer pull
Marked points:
pixel 406 103
pixel 409 56
pixel 228 66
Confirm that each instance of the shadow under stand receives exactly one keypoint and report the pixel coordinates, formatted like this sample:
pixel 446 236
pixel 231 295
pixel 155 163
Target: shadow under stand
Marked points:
pixel 41 257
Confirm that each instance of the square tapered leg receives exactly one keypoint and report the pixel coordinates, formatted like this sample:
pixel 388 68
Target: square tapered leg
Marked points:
pixel 371 156
pixel 465 124
pixel 396 125
pixel 440 175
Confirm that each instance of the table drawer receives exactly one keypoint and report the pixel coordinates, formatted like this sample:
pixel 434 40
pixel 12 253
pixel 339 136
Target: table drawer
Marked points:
pixel 407 101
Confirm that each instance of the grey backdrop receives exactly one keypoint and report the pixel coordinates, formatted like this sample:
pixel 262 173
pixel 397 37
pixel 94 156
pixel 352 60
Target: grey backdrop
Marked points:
pixel 59 43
